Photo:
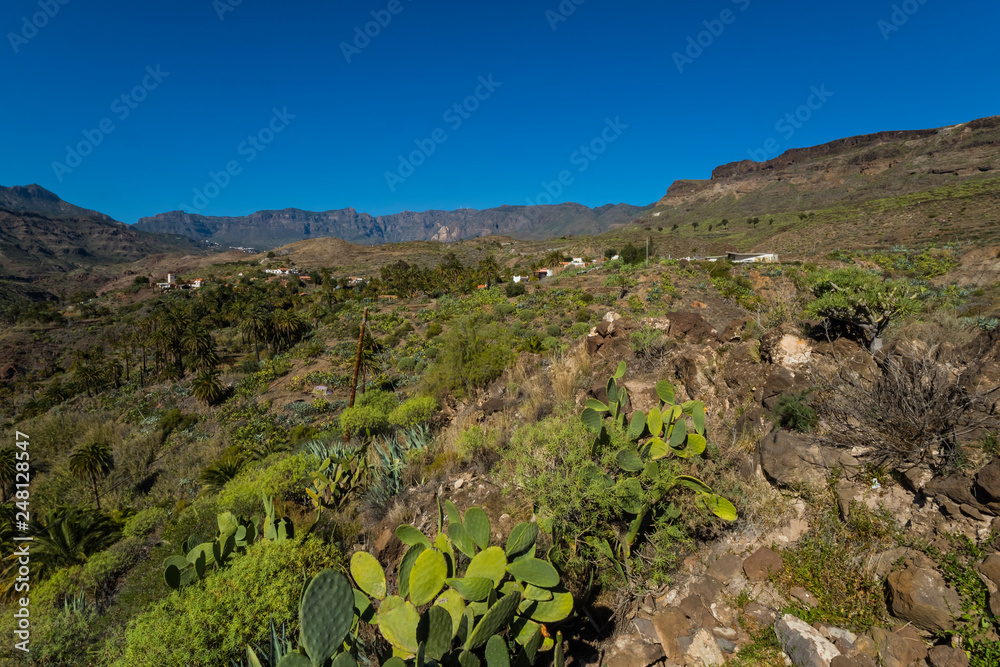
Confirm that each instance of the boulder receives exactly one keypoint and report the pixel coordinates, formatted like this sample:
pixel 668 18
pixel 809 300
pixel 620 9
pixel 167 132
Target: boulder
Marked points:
pixel 691 327
pixel 632 651
pixel 782 381
pixel 896 650
pixel 726 568
pixel 701 649
pixel 792 459
pixel 762 564
pixel 988 482
pixel 805 646
pixel 947 656
pixel 920 596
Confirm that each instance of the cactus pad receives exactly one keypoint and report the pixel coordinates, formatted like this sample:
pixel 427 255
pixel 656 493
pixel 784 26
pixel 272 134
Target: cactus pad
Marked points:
pixel 427 576
pixel 410 536
pixel 534 571
pixel 398 625
pixel 294 660
pixel 368 574
pixel 435 632
pixel 405 565
pixel 326 613
pixel 473 589
pixel 496 652
pixel 488 564
pixel 493 621
pixel 521 539
pixel 477 524
pixel 460 538
pixel 452 603
pixel 172 575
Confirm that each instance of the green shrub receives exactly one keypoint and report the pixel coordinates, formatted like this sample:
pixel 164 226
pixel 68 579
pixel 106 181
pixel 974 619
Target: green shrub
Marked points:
pixel 506 309
pixel 145 522
pixel 284 479
pixel 527 315
pixel 416 410
pixel 102 570
pixel 553 330
pixel 473 355
pixel 364 418
pixel 434 330
pixel 211 622
pixel 579 329
pixel 406 364
pixel 514 290
pixel 794 412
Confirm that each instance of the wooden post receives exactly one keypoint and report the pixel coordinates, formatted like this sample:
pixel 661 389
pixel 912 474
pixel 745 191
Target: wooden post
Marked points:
pixel 357 367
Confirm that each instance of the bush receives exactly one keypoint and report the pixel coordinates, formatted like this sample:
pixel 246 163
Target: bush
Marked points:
pixel 553 330
pixel 506 309
pixel 364 418
pixel 406 364
pixel 630 254
pixel 474 354
pixel 514 290
pixel 416 410
pixel 433 330
pixel 579 329
pixel 212 621
pixel 145 522
pixel 794 412
pixel 102 570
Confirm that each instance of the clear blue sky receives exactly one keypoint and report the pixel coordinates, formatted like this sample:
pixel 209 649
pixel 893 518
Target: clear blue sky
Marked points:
pixel 607 60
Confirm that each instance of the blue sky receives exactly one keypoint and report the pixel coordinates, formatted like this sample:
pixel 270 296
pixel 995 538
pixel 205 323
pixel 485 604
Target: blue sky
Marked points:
pixel 225 76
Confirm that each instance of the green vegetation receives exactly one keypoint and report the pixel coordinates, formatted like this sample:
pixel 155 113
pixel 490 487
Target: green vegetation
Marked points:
pixel 792 411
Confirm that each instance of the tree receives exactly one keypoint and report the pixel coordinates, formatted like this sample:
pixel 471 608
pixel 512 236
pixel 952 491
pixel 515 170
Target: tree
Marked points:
pixel 609 253
pixel 863 301
pixel 68 536
pixel 695 224
pixel 8 470
pixel 489 268
pixel 207 388
pixel 92 461
pixel 630 254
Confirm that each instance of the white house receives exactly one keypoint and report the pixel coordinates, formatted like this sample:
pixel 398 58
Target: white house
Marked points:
pixel 752 257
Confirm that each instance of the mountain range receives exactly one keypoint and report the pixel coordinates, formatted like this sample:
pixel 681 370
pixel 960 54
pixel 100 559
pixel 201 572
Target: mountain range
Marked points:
pixel 265 230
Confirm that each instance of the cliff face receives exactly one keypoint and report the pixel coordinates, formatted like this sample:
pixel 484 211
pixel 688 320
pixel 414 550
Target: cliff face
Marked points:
pixel 854 169
pixel 270 229
pixel 36 199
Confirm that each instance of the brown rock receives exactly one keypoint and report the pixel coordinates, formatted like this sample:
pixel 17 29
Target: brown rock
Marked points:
pixel 762 564
pixel 726 568
pixel 691 326
pixel 632 651
pixel 670 624
pixel 793 460
pixel 804 596
pixel 920 596
pixel 988 482
pixel 759 613
pixel 947 656
pixel 897 651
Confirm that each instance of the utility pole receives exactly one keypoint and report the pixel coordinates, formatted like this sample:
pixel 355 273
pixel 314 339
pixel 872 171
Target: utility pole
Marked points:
pixel 357 368
pixel 647 252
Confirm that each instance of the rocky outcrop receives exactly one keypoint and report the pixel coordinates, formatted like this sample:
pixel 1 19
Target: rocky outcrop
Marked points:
pixel 919 595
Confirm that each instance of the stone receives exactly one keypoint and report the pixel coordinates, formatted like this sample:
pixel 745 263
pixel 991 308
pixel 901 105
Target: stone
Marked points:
pixel 840 633
pixel 726 568
pixel 867 646
pixel 920 596
pixel 947 656
pixel 988 482
pixel 631 651
pixel 793 460
pixel 791 350
pixel 781 381
pixel 692 327
pixel 804 596
pixel 725 633
pixel 759 613
pixel 704 650
pixel 803 643
pixel 645 629
pixel 882 563
pixel 972 512
pixel 897 651
pixel 670 624
pixel 844 661
pixel 916 478
pixel 694 607
pixel 726 645
pixel 762 564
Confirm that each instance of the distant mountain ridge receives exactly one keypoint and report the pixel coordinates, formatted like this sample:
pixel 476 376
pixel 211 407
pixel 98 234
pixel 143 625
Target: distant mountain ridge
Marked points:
pixel 36 199
pixel 265 230
pixel 40 234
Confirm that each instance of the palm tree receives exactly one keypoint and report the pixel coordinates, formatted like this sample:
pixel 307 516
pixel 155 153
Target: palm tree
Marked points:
pixel 219 473
pixel 198 342
pixel 286 328
pixel 92 461
pixel 253 324
pixel 68 536
pixel 207 388
pixel 489 267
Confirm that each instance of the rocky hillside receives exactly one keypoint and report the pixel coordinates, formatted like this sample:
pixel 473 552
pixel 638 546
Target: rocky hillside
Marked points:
pixel 265 230
pixel 842 172
pixel 36 199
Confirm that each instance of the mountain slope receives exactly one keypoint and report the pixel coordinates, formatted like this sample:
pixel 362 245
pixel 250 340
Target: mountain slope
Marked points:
pixel 36 199
pixel 270 229
pixel 846 171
